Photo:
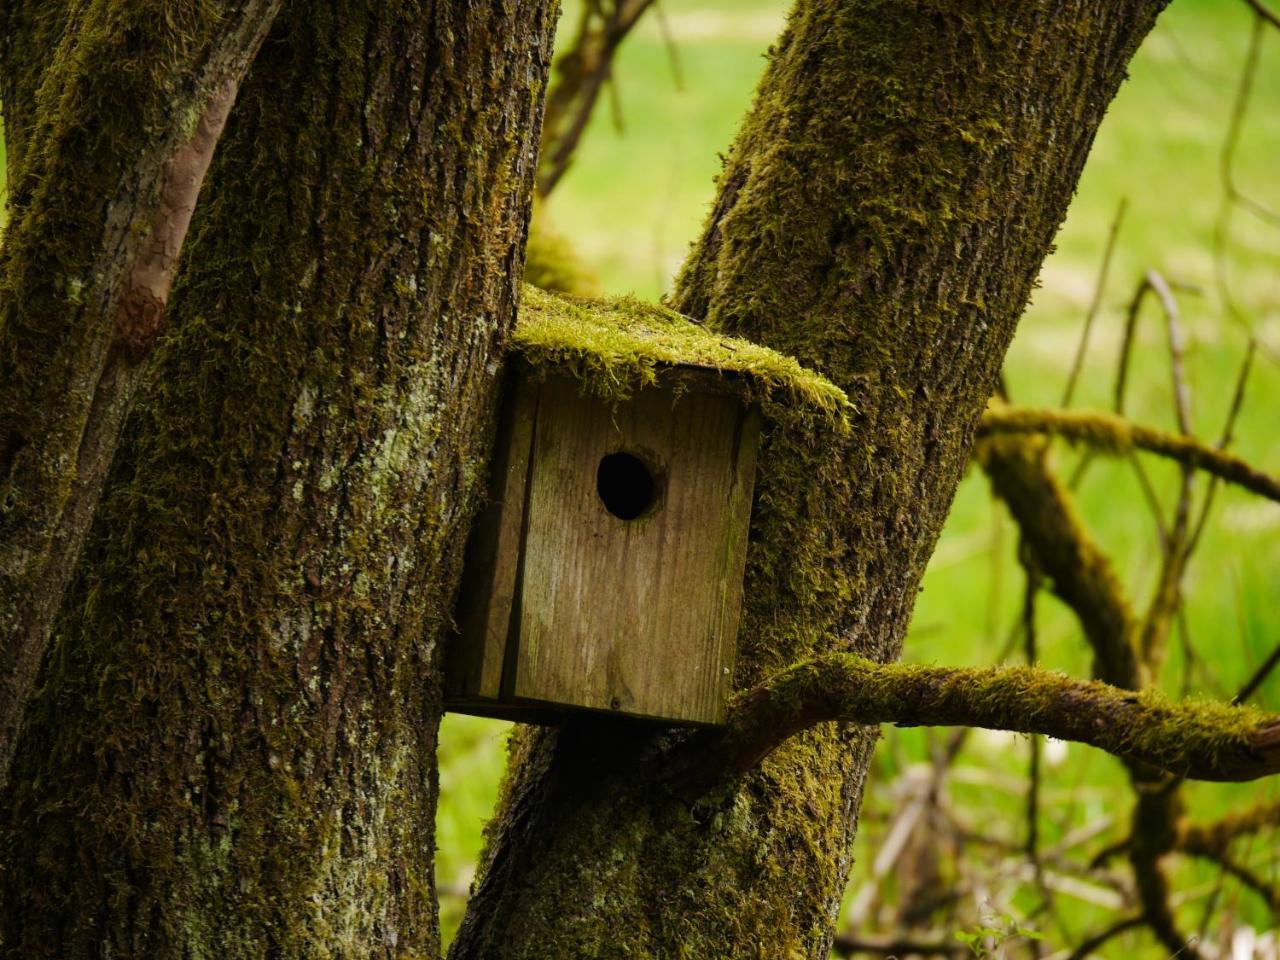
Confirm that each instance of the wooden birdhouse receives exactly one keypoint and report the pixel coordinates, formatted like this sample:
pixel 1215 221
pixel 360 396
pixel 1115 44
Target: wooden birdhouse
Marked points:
pixel 606 571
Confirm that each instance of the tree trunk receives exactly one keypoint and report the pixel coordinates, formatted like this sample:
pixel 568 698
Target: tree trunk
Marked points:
pixel 232 752
pixel 110 127
pixel 882 216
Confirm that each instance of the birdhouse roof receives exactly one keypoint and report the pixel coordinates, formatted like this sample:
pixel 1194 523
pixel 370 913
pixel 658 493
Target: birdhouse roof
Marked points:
pixel 620 345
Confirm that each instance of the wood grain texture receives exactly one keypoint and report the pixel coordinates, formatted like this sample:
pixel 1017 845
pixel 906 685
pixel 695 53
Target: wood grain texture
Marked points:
pixel 635 616
pixel 493 553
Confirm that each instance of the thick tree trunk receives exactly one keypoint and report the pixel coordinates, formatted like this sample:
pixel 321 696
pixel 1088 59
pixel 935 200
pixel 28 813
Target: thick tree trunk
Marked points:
pixel 882 216
pixel 232 753
pixel 107 148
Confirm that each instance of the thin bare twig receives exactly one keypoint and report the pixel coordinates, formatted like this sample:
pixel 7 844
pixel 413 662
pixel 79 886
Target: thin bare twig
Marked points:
pixel 1167 596
pixel 1121 384
pixel 1126 344
pixel 1094 942
pixel 1032 589
pixel 1232 196
pixel 1224 441
pixel 1264 12
pixel 1259 676
pixel 582 72
pixel 1177 349
pixel 1095 304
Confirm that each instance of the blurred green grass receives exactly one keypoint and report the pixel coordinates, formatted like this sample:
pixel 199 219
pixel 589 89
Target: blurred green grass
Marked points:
pixel 635 197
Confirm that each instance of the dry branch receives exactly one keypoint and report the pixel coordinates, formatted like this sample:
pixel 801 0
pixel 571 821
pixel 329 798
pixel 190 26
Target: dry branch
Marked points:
pixel 581 74
pixel 1215 837
pixel 850 946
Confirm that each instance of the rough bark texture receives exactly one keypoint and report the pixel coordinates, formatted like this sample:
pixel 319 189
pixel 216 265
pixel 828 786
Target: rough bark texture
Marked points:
pixel 882 216
pixel 29 35
pixel 232 752
pixel 108 147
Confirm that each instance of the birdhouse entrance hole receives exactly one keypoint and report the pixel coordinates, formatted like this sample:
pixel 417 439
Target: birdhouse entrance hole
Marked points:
pixel 626 485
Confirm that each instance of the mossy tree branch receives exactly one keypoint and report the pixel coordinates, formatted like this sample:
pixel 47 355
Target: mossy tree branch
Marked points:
pixel 1110 434
pixel 1201 741
pixel 1085 580
pixel 1081 574
pixel 1218 835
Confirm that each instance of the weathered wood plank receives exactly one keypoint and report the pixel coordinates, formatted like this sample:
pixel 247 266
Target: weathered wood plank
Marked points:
pixel 635 616
pixel 493 553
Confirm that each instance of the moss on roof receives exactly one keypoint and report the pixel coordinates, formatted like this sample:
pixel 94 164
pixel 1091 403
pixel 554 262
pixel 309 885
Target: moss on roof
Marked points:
pixel 619 345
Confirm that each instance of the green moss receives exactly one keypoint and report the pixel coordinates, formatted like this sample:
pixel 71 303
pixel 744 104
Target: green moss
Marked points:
pixel 618 346
pixel 1104 432
pixel 880 219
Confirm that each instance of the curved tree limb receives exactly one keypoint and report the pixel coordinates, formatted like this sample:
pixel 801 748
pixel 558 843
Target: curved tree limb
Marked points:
pixel 1264 13
pixel 1201 741
pixel 1108 433
pixel 581 73
pixel 1082 575
pixel 1213 841
pixel 1215 837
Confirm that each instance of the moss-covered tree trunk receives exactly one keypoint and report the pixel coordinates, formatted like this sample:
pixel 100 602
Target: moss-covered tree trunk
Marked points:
pixel 232 751
pixel 882 216
pixel 110 126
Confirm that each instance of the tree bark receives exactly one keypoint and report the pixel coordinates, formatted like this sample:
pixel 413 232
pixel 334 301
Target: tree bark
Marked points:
pixel 30 31
pixel 232 752
pixel 882 216
pixel 107 150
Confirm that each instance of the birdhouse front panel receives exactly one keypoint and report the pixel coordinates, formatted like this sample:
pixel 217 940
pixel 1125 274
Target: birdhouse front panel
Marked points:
pixel 608 574
pixel 634 551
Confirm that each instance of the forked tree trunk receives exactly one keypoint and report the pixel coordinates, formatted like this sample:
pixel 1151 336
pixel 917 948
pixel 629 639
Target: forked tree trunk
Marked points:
pixel 232 754
pixel 882 215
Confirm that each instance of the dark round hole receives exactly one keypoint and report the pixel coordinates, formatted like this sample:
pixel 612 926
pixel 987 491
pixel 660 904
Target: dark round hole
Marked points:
pixel 625 485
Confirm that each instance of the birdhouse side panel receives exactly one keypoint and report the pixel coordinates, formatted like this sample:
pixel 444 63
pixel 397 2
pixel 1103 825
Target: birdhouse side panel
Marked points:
pixel 635 615
pixel 490 573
